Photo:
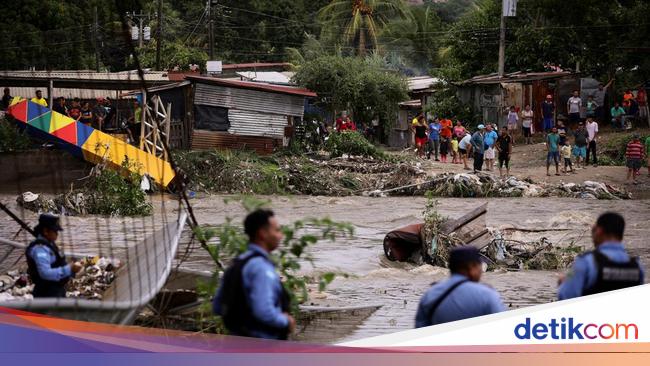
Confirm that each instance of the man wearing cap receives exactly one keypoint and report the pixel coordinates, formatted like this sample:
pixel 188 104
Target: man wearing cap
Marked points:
pixel 46 265
pixel 548 112
pixel 478 146
pixel 608 267
pixel 461 296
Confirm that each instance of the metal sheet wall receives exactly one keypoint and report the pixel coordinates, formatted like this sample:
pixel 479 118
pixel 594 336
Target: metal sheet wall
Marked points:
pixel 248 123
pixel 249 100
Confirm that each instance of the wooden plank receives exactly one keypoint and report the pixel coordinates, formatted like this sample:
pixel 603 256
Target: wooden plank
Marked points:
pixel 453 225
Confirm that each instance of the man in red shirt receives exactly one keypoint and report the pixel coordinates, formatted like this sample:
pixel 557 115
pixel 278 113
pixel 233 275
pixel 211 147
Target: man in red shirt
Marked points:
pixel 344 123
pixel 634 154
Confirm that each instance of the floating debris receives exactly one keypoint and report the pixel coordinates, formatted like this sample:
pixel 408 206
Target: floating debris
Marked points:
pixel 539 255
pixel 95 277
pixel 488 185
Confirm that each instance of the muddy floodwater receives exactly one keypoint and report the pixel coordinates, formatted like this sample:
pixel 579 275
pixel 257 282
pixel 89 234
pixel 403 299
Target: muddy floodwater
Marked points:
pixel 365 276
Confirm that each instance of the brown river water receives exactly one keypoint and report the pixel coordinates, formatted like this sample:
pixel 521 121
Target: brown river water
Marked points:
pixel 365 277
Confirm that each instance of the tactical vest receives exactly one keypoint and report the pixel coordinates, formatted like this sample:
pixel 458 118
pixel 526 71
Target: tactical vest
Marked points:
pixel 43 287
pixel 236 312
pixel 613 275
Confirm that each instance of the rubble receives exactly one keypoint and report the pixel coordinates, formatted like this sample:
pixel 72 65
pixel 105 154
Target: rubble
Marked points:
pixel 90 283
pixel 487 185
pixel 539 255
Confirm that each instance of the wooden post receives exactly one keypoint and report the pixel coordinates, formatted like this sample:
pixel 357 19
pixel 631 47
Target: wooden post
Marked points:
pixel 143 118
pixel 50 93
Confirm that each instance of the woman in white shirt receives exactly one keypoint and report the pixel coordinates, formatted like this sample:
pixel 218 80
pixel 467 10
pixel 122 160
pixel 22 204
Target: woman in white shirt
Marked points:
pixel 527 124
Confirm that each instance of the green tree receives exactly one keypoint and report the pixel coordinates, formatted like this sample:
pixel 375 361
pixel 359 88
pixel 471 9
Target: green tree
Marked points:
pixel 359 85
pixel 358 23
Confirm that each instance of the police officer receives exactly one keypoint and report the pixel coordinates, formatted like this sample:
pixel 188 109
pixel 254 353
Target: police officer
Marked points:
pixel 608 267
pixel 46 265
pixel 251 299
pixel 461 296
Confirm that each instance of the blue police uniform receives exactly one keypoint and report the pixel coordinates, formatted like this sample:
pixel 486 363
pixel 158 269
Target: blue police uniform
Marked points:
pixel 47 268
pixel 470 299
pixel 584 273
pixel 264 293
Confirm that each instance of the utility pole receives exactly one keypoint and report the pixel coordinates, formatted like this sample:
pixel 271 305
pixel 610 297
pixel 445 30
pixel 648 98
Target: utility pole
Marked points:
pixel 159 36
pixel 509 9
pixel 502 47
pixel 210 30
pixel 95 35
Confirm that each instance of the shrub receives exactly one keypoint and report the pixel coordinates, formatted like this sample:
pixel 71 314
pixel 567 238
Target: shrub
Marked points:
pixel 351 143
pixel 11 138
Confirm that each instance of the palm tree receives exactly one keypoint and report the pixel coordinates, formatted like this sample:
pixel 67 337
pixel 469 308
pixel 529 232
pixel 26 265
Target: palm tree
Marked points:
pixel 358 22
pixel 417 38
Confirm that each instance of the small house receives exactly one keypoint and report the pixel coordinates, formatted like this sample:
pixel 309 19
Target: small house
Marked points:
pixel 244 115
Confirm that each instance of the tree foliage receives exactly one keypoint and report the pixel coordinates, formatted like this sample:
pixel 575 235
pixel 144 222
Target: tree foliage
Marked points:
pixel 602 37
pixel 355 84
pixel 357 23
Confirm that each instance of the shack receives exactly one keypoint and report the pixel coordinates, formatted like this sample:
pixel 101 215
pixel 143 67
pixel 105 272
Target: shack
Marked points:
pixel 244 115
pixel 421 90
pixel 491 96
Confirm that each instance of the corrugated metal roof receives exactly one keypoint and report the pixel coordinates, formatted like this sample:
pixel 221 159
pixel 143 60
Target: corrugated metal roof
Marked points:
pixel 28 92
pixel 87 75
pixel 246 123
pixel 421 82
pixel 517 77
pixel 257 65
pixel 270 77
pixel 253 86
pixel 249 100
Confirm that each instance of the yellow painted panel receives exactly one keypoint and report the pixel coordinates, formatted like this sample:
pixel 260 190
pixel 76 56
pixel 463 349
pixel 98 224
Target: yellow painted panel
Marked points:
pixel 59 121
pixel 101 146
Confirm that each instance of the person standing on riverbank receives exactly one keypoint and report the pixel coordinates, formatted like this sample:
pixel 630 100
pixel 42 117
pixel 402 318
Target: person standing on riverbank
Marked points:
pixel 606 268
pixel 548 113
pixel 504 147
pixel 580 149
pixel 251 299
pixel 527 124
pixel 434 139
pixel 46 265
pixel 465 148
pixel 490 140
pixel 552 151
pixel 592 132
pixel 634 154
pixel 461 296
pixel 478 147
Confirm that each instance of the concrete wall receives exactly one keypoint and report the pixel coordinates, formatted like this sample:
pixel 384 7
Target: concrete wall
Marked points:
pixel 40 171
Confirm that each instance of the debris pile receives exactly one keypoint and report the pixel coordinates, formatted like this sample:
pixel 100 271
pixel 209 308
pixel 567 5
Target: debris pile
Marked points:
pixel 540 255
pixel 90 283
pixel 245 172
pixel 487 185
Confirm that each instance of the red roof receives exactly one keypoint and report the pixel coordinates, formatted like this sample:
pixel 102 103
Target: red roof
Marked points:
pixel 256 65
pixel 253 86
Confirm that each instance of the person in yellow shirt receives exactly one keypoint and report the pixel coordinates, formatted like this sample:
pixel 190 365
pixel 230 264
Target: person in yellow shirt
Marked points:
pixel 38 99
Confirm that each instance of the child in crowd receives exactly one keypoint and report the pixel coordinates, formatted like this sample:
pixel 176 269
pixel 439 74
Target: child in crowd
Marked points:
pixel 565 151
pixel 444 149
pixel 455 157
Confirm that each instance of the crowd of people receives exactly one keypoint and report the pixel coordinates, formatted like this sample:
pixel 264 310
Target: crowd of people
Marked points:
pixel 101 115
pixel 440 138
pixel 570 139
